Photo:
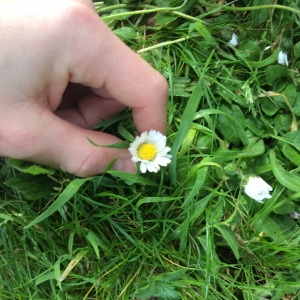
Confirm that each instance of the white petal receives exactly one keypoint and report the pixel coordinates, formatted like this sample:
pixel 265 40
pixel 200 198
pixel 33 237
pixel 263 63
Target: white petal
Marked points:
pixel 163 161
pixel 164 152
pixel 160 145
pixel 283 59
pixel 152 136
pixel 294 215
pixel 143 167
pixel 257 189
pixel 152 168
pixel 234 40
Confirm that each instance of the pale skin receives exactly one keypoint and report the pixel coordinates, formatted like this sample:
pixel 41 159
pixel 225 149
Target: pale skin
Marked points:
pixel 62 71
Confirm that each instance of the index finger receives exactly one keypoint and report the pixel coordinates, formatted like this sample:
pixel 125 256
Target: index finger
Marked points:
pixel 101 60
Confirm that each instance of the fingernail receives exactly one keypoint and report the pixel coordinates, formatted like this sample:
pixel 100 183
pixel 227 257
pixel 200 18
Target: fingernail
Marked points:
pixel 125 165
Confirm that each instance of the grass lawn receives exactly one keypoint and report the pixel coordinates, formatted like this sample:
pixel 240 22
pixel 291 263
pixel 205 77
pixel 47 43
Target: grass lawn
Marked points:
pixel 189 231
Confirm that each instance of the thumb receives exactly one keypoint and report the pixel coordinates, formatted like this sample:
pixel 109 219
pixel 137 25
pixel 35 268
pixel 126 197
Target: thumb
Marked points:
pixel 49 140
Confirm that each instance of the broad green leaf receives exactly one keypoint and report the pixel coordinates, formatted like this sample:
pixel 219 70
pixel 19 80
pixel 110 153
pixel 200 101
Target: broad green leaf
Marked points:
pixel 248 51
pixel 255 125
pixel 205 144
pixel 268 227
pixel 125 33
pixel 199 26
pixel 293 138
pixel 292 154
pixel 285 208
pixel 297 50
pixel 275 72
pixel 296 107
pixel 257 17
pixel 282 122
pixel 162 18
pixel 63 198
pixel 33 187
pixel 290 93
pixel 266 62
pixel 29 168
pixel 288 180
pixel 232 124
pixel 121 14
pixel 229 236
pixel 268 106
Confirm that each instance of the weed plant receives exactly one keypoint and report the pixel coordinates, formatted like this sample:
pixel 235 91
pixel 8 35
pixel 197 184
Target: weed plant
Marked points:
pixel 189 231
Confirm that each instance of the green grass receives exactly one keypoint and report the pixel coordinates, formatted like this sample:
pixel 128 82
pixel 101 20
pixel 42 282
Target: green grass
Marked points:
pixel 188 232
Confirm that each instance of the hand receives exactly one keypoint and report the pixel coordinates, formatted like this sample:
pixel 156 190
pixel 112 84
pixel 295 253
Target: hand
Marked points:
pixel 61 71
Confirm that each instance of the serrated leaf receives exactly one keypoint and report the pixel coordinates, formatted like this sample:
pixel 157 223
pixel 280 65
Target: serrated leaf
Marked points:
pixel 29 168
pixel 229 236
pixel 166 291
pixel 172 276
pixel 33 187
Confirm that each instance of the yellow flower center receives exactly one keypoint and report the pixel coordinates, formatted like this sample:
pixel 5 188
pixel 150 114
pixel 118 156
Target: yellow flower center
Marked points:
pixel 147 152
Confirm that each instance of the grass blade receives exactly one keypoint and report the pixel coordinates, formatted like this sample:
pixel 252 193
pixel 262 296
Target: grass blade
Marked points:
pixel 64 197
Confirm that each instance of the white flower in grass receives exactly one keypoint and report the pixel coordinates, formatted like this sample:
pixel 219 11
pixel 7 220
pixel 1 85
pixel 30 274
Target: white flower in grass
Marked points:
pixel 283 59
pixel 294 215
pixel 150 150
pixel 257 189
pixel 234 40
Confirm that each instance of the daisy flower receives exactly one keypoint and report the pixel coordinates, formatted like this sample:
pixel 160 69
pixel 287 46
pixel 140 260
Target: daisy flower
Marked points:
pixel 257 189
pixel 283 59
pixel 234 40
pixel 294 215
pixel 150 150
